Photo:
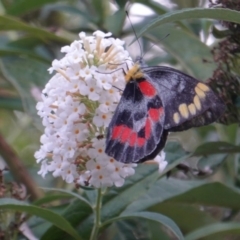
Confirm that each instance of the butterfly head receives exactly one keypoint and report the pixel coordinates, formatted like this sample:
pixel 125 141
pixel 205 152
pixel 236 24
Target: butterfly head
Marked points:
pixel 140 61
pixel 135 72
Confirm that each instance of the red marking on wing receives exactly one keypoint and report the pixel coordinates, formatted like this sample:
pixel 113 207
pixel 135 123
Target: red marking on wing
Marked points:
pixel 148 129
pixel 147 89
pixel 125 134
pixel 117 131
pixel 122 133
pixel 133 139
pixel 155 114
pixel 140 142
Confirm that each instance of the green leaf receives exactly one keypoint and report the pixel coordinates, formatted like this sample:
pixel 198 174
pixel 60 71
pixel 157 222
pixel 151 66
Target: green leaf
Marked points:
pixel 162 190
pixel 56 219
pixel 212 162
pixel 155 6
pixel 215 148
pixel 69 9
pixel 13 50
pixel 9 23
pixel 102 9
pixel 74 214
pixel 24 6
pixel 174 151
pixel 193 55
pixel 228 133
pixel 167 222
pixel 157 232
pixel 48 198
pixel 113 203
pixel 121 3
pixel 186 3
pixel 193 13
pixel 174 164
pixel 217 228
pixel 12 103
pixel 211 194
pixel 25 75
pixel 120 201
pixel 134 228
pixel 26 42
pixel 114 23
pixel 220 33
pixel 73 194
pixel 181 213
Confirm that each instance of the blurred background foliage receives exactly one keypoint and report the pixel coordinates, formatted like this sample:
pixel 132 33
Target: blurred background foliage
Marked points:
pixel 203 199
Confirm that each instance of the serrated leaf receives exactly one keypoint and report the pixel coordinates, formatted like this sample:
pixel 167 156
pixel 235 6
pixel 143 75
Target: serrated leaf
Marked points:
pixel 54 218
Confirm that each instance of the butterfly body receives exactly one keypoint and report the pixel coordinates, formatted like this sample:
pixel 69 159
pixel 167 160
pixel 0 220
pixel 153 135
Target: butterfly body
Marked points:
pixel 155 101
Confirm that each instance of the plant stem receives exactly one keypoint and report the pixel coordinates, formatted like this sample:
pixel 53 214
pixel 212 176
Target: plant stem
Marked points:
pixel 97 215
pixel 18 169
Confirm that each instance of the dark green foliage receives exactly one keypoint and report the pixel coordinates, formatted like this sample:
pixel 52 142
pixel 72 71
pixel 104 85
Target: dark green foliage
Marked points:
pixel 198 202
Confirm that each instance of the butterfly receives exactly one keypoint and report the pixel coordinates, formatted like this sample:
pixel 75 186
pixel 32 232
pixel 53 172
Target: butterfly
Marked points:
pixel 157 100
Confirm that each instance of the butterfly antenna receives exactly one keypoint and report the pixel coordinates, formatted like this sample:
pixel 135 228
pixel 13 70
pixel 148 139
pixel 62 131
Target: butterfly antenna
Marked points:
pixel 117 88
pixel 152 45
pixel 135 34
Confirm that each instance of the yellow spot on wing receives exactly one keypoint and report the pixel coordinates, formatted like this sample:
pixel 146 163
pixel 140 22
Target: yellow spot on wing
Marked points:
pixel 203 87
pixel 183 109
pixel 176 117
pixel 134 73
pixel 199 92
pixel 192 109
pixel 197 102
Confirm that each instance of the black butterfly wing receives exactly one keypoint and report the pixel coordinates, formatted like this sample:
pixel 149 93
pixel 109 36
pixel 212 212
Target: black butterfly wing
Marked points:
pixel 187 101
pixel 135 133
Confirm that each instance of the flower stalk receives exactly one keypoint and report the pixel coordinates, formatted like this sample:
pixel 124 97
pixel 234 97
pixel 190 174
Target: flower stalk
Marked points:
pixel 97 215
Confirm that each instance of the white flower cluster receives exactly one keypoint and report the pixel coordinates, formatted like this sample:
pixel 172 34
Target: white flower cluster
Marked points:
pixel 77 105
